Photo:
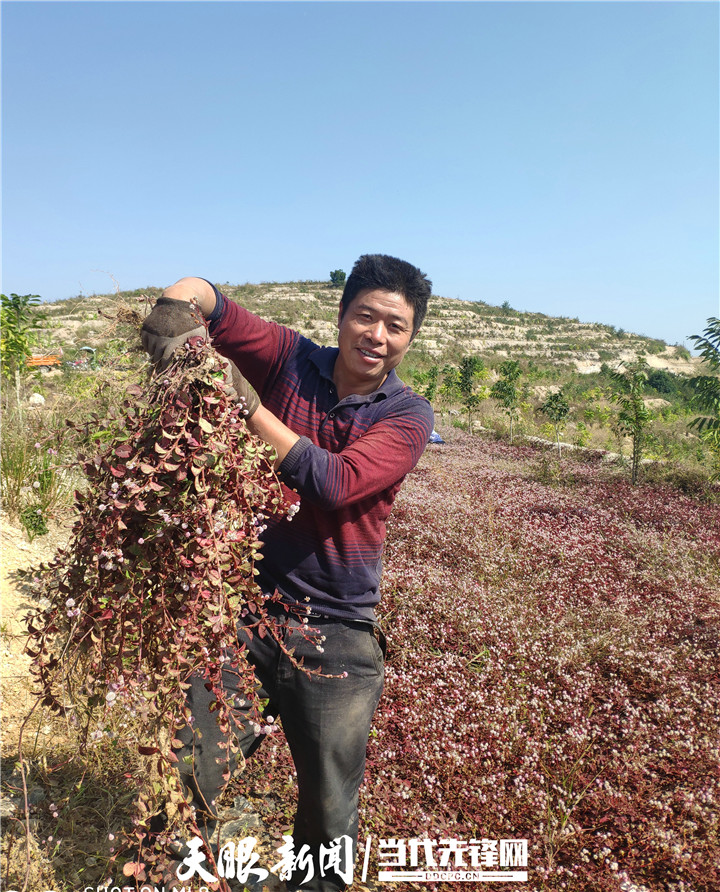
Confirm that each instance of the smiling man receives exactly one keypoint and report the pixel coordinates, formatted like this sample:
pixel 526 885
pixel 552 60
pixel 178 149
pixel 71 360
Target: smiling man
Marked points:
pixel 346 431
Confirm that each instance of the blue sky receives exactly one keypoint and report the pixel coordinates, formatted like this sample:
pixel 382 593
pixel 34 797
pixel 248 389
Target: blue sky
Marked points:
pixel 562 156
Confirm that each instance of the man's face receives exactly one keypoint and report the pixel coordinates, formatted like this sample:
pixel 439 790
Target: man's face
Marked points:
pixel 374 334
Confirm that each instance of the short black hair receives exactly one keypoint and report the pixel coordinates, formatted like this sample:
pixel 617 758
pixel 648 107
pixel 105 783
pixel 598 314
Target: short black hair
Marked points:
pixel 380 272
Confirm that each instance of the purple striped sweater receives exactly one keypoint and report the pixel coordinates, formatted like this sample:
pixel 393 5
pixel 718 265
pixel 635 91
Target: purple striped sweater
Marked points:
pixel 347 467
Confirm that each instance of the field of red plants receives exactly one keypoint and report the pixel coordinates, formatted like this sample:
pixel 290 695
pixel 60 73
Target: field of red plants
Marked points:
pixel 552 671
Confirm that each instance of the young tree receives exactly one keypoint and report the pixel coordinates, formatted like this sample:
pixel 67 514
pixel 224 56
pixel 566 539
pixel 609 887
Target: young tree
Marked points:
pixel 337 278
pixel 449 391
pixel 505 391
pixel 431 383
pixel 633 417
pixel 707 390
pixel 18 318
pixel 18 315
pixel 471 368
pixel 557 410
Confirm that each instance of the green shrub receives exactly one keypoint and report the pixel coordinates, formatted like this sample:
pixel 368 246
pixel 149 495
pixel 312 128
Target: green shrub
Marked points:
pixel 662 381
pixel 655 346
pixel 582 434
pixel 32 517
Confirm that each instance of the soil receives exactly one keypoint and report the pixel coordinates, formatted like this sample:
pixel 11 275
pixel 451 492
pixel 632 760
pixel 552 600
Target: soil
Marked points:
pixel 18 553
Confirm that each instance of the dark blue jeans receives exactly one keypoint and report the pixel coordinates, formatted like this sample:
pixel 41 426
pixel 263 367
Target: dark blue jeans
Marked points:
pixel 326 721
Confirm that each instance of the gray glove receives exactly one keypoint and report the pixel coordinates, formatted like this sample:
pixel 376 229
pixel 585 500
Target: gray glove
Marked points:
pixel 168 327
pixel 239 388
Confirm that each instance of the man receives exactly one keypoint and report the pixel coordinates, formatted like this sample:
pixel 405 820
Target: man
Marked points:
pixel 346 431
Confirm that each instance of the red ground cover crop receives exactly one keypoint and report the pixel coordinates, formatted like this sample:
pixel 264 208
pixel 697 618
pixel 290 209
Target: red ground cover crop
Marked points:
pixel 552 672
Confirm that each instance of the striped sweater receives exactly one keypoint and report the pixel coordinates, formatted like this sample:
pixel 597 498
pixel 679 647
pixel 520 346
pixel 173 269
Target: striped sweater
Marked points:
pixel 347 467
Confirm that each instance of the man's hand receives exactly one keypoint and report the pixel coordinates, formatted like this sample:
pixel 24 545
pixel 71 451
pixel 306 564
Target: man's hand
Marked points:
pixel 239 388
pixel 168 326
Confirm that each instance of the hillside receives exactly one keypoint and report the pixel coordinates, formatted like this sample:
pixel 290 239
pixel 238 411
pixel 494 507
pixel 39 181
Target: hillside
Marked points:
pixel 554 353
pixel 453 328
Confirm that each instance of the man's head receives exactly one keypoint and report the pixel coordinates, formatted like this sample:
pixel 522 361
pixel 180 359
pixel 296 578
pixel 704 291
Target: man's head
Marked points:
pixel 383 304
pixel 379 272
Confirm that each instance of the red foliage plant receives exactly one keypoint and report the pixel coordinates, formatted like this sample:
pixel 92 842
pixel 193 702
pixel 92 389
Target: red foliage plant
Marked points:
pixel 160 564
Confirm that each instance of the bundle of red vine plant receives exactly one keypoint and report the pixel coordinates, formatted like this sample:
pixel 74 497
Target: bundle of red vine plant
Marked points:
pixel 160 564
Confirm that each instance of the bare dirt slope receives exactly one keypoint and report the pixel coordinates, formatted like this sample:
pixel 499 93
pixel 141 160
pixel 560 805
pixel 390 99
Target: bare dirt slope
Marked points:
pixel 17 553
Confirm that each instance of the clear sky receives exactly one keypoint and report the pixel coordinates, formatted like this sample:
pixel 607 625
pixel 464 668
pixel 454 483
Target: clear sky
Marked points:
pixel 562 156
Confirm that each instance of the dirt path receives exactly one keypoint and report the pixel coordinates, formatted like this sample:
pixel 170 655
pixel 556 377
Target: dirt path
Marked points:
pixel 17 553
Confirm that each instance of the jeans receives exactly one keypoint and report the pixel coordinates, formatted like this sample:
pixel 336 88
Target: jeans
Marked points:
pixel 326 721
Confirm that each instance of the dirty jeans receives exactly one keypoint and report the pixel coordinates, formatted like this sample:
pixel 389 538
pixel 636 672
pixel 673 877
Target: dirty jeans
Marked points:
pixel 326 721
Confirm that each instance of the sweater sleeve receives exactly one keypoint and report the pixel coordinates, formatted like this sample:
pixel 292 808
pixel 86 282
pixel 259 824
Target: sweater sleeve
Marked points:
pixel 257 346
pixel 370 464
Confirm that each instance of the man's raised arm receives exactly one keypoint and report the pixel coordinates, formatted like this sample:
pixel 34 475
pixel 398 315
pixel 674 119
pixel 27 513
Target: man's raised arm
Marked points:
pixel 191 287
pixel 173 320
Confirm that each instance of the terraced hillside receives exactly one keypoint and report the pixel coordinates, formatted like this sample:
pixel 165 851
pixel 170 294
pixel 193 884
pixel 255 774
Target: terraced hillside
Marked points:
pixel 453 328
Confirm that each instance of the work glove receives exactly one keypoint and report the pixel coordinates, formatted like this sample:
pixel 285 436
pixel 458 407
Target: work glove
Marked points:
pixel 170 324
pixel 239 388
pixel 168 327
